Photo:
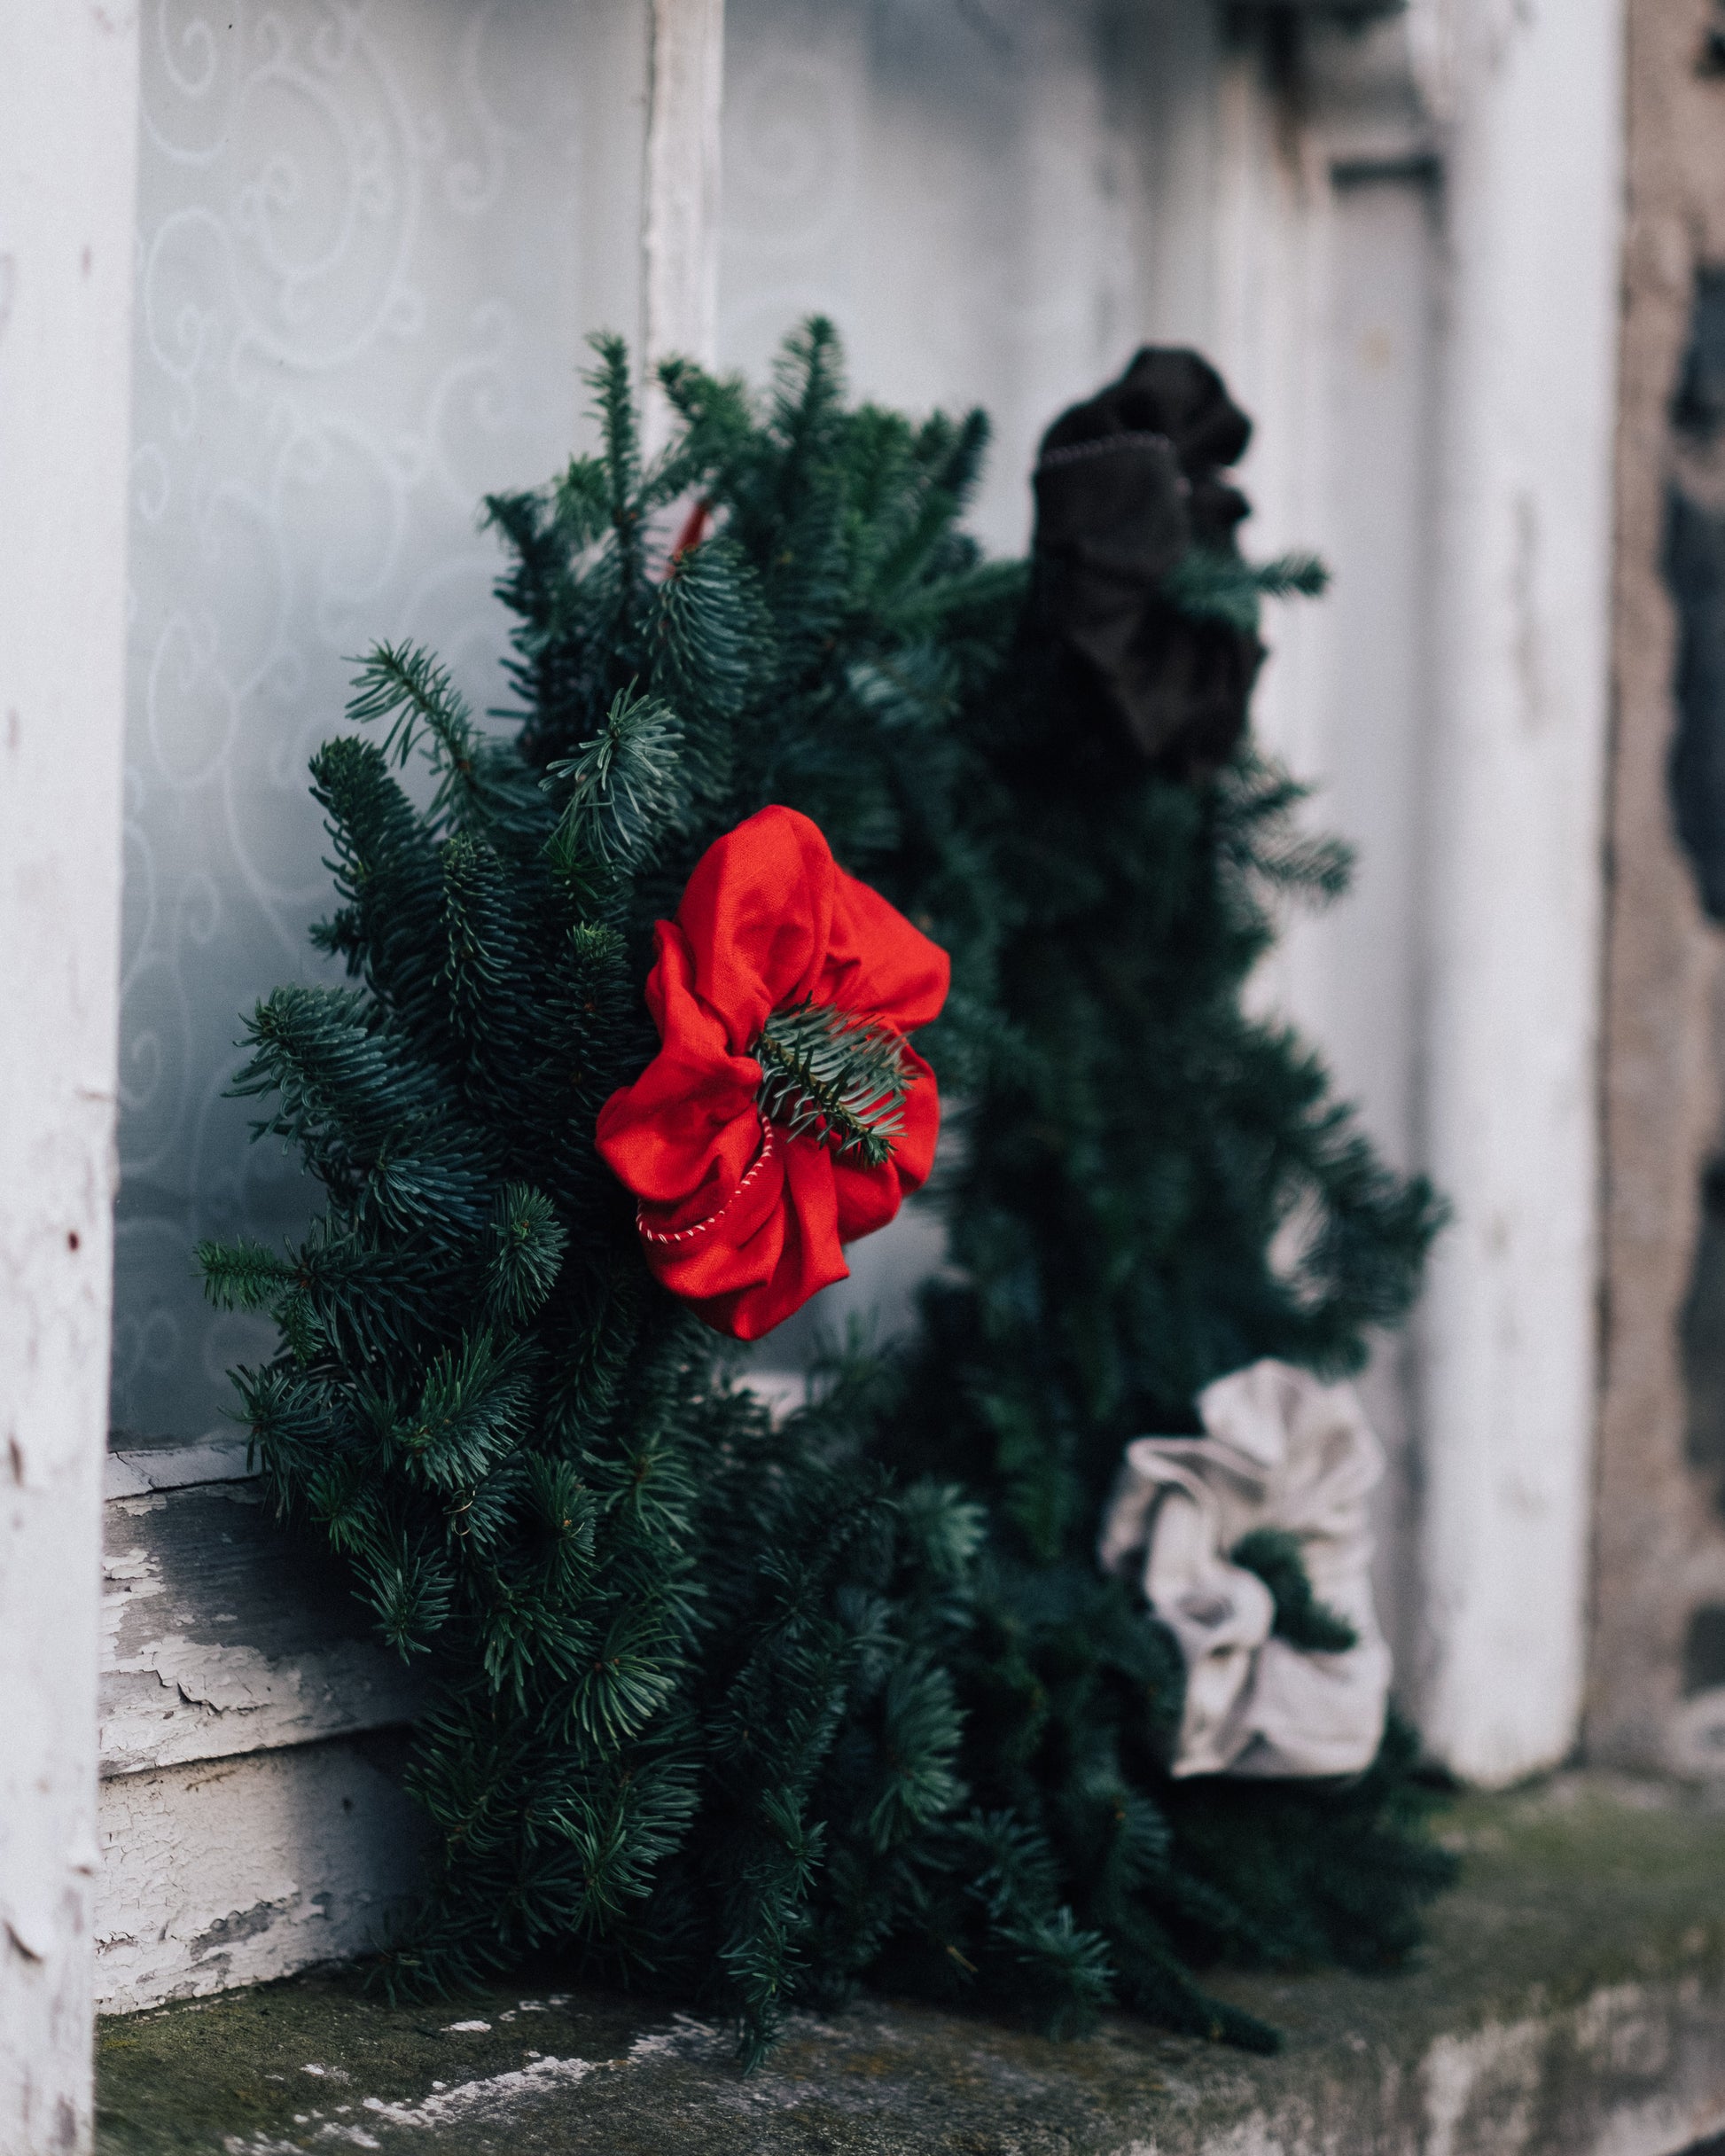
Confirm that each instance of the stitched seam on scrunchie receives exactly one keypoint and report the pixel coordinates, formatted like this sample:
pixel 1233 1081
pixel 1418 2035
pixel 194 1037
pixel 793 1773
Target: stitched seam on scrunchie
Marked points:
pixel 1100 445
pixel 684 1235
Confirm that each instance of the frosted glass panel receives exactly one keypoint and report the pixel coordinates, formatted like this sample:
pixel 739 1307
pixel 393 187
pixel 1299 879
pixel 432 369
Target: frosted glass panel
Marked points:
pixel 965 186
pixel 996 201
pixel 371 239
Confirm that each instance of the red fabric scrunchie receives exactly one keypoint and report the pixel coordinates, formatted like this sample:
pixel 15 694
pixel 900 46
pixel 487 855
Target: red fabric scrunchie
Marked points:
pixel 736 1214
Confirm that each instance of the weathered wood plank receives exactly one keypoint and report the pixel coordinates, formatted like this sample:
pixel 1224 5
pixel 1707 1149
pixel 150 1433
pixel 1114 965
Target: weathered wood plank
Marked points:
pixel 223 1635
pixel 135 1470
pixel 235 1871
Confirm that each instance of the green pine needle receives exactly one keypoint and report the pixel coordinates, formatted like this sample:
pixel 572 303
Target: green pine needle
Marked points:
pixel 624 791
pixel 471 1409
pixel 1304 1622
pixel 528 1241
pixel 410 1591
pixel 582 496
pixel 614 403
pixel 1221 587
pixel 834 1076
pixel 243 1276
pixel 407 690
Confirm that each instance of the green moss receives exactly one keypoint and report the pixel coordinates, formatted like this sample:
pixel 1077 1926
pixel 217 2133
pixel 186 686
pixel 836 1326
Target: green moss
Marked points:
pixel 1579 1888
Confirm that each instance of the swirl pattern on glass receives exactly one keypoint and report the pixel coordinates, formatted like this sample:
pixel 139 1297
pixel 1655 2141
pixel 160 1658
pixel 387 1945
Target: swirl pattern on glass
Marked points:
pixel 372 237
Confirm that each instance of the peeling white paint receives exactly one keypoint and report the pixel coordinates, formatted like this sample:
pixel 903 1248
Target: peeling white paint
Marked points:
pixel 1455 2069
pixel 240 1843
pixel 203 1701
pixel 239 1870
pixel 68 118
pixel 335 2132
pixel 495 2097
pixel 1511 835
pixel 685 2038
pixel 183 1678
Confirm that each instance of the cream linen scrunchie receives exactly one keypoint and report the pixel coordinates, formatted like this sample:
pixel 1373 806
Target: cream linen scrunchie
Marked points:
pixel 1282 1450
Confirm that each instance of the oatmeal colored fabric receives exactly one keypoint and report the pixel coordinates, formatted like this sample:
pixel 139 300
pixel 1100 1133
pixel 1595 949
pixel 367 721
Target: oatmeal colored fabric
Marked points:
pixel 1280 1451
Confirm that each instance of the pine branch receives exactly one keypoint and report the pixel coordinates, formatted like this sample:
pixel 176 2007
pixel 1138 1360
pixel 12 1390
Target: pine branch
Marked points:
pixel 1214 586
pixel 720 436
pixel 376 1125
pixel 1069 1970
pixel 1257 838
pixel 921 1727
pixel 530 1642
pixel 614 404
pixel 292 1430
pixel 385 865
pixel 809 388
pixel 339 1085
pixel 483 958
pixel 709 631
pixel 410 1590
pixel 954 456
pixel 947 1529
pixel 527 1246
pixel 563 1515
pixel 626 790
pixel 835 1076
pixel 914 688
pixel 405 687
pixel 339 1295
pixel 906 564
pixel 583 504
pixel 711 1691
pixel 1304 1622
pixel 1295 576
pixel 990 586
pixel 344 1497
pixel 242 1276
pixel 478 780
pixel 491 1012
pixel 471 1409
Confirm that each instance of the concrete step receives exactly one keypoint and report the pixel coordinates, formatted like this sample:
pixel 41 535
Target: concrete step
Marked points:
pixel 1570 2003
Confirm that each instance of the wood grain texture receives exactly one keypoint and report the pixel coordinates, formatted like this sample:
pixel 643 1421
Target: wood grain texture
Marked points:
pixel 1659 1540
pixel 251 1820
pixel 224 1635
pixel 68 123
pixel 237 1870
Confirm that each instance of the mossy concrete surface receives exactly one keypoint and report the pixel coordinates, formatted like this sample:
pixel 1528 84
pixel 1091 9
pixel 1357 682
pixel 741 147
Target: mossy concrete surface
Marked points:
pixel 1572 2000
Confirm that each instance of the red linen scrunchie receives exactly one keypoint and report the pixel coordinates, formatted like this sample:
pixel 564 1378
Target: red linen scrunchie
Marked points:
pixel 736 1213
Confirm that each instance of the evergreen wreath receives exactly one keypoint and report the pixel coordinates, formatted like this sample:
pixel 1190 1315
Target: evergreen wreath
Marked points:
pixel 754 1713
